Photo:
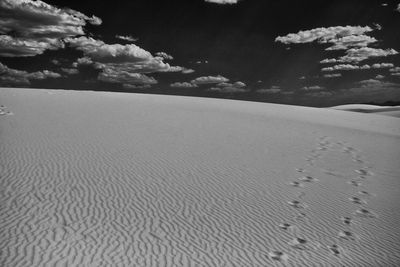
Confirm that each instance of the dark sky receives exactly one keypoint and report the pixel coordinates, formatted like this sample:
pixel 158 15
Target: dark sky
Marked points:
pixel 258 50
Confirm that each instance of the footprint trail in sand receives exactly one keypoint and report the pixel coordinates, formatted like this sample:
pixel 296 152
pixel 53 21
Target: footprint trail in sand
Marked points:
pixel 325 146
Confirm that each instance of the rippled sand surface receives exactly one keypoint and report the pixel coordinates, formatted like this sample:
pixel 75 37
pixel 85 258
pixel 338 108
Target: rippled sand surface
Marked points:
pixel 112 179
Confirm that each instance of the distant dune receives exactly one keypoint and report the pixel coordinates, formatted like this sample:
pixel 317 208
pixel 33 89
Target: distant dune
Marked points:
pixel 113 179
pixel 380 110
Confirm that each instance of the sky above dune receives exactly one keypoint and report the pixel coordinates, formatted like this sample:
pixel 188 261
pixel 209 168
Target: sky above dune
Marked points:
pixel 315 53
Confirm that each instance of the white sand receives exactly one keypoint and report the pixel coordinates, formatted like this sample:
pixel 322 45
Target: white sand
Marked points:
pixel 393 111
pixel 108 179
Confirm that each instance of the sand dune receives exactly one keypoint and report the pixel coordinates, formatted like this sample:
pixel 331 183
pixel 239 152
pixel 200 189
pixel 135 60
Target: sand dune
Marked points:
pixel 379 110
pixel 112 179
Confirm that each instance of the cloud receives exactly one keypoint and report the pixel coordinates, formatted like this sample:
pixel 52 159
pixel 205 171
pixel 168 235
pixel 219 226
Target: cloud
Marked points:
pixel 224 87
pixel 70 71
pixel 379 77
pixel 320 94
pixel 127 38
pixel 82 61
pixel 341 37
pixel 223 2
pixel 372 90
pixel 187 71
pixel 9 76
pixel 25 47
pixel 356 67
pixel 132 86
pixel 377 26
pixel 228 90
pixel 273 90
pixel 164 55
pixel 333 75
pixel 373 82
pixel 34 26
pixel 112 75
pixel 356 55
pixel 183 85
pixel 209 80
pixel 121 62
pixel 346 42
pixel 382 65
pixel 398 8
pixel 395 69
pixel 372 87
pixel 342 67
pixel 235 84
pixel 56 62
pixel 128 57
pixel 352 39
pixel 312 88
pixel 360 54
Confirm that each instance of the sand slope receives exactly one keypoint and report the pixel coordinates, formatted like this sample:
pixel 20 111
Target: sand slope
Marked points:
pixel 108 179
pixel 379 110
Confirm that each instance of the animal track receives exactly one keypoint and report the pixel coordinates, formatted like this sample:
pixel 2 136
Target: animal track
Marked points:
pixel 296 184
pixel 298 243
pixel 300 170
pixel 278 256
pixel 347 220
pixel 347 235
pixel 4 111
pixel 297 204
pixel 357 200
pixel 364 172
pixel 364 213
pixel 365 193
pixel 308 179
pixel 334 249
pixel 284 226
pixel 355 183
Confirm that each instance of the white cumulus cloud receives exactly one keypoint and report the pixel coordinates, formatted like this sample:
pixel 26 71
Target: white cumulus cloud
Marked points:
pixel 30 27
pixel 9 76
pixel 210 80
pixel 183 85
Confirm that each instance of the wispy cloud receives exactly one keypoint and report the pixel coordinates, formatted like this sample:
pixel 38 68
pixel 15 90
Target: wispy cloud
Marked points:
pixel 125 78
pixel 224 87
pixel 320 94
pixel 341 37
pixel 210 80
pixel 333 75
pixel 187 71
pixel 9 76
pixel 70 71
pixel 273 90
pixel 313 88
pixel 356 55
pixel 356 67
pixel 164 56
pixel 127 38
pixel 183 85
